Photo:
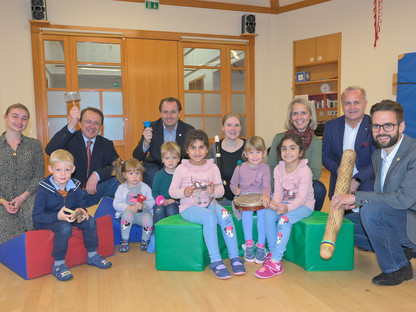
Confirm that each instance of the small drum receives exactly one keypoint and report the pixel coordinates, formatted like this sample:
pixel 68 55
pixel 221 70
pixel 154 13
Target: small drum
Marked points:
pixel 248 202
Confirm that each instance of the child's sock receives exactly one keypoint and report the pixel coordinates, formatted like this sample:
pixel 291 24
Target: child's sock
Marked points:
pixel 58 263
pixel 249 243
pixel 92 254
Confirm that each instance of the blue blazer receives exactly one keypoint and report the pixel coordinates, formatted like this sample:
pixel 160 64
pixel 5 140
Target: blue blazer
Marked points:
pixel 153 154
pixel 332 149
pixel 102 157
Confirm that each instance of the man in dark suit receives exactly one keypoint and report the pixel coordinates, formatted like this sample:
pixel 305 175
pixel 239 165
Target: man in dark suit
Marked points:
pixel 95 173
pixel 167 128
pixel 389 213
pixel 351 131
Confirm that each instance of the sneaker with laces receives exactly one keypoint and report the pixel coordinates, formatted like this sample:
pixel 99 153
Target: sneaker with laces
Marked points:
pixel 269 269
pixel 219 270
pixel 144 245
pixel 124 245
pixel 249 254
pixel 99 261
pixel 260 255
pixel 237 265
pixel 62 273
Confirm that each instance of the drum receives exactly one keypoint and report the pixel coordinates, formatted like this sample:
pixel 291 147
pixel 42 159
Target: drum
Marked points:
pixel 248 202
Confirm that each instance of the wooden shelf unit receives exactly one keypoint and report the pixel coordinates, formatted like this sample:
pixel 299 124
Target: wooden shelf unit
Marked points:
pixel 321 57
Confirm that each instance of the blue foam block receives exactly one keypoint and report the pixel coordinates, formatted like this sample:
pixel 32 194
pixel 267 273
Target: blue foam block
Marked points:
pixel 105 207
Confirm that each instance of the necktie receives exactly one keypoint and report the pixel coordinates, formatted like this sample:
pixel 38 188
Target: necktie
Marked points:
pixel 88 157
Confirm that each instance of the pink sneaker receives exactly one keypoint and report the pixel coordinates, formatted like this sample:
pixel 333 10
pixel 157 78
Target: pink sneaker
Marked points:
pixel 269 269
pixel 268 257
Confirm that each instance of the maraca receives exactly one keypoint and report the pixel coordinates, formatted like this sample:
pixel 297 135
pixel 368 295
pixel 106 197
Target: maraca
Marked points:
pixel 239 163
pixel 160 200
pixel 139 198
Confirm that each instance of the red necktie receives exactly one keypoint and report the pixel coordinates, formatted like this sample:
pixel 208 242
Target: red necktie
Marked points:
pixel 88 157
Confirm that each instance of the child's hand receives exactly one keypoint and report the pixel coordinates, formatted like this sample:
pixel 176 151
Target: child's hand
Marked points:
pixel 265 199
pixel 85 215
pixel 188 191
pixel 136 207
pixel 282 208
pixel 168 202
pixel 63 216
pixel 273 205
pixel 237 191
pixel 210 188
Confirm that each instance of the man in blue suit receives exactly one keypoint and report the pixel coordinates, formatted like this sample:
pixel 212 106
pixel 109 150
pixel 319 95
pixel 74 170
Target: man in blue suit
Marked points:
pixel 351 131
pixel 389 213
pixel 95 174
pixel 167 128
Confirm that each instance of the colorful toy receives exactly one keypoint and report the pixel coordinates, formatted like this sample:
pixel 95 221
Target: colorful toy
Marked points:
pixel 77 214
pixel 136 198
pixel 160 200
pixel 147 123
pixel 335 217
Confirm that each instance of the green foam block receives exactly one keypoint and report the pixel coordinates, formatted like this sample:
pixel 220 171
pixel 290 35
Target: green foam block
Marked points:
pixel 305 242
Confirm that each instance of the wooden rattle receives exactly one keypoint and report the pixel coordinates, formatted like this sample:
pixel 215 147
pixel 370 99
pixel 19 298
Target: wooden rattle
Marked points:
pixel 75 214
pixel 335 217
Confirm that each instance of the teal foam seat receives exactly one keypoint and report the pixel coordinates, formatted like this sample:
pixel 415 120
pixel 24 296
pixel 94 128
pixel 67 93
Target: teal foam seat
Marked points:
pixel 305 240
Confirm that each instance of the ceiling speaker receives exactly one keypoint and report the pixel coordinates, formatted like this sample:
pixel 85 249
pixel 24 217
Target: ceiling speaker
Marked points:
pixel 38 9
pixel 248 24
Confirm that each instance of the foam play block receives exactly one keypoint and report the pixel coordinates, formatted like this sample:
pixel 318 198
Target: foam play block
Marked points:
pixel 305 241
pixel 105 207
pixel 180 245
pixel 30 254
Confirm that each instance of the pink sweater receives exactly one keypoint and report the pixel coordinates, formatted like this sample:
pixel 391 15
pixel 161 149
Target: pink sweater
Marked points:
pixel 187 174
pixel 294 188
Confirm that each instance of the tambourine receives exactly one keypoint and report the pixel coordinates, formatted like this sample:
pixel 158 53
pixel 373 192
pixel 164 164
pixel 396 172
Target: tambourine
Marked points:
pixel 248 202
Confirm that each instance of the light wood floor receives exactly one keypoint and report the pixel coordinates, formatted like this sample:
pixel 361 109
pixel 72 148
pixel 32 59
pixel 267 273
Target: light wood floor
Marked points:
pixel 133 284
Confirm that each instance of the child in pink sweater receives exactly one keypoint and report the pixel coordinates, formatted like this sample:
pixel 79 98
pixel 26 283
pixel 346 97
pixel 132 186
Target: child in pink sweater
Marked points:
pixel 293 200
pixel 197 182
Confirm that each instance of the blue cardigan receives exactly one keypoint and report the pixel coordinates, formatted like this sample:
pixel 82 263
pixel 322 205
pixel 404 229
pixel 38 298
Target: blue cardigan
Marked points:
pixel 48 201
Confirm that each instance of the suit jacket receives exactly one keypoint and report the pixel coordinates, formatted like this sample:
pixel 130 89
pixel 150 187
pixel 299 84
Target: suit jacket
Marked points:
pixel 153 154
pixel 399 191
pixel 102 157
pixel 332 149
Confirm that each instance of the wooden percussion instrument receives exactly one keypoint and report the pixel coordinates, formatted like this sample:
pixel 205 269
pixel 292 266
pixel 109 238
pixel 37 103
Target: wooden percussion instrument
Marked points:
pixel 248 202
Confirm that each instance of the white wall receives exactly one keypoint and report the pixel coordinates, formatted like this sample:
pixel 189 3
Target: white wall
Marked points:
pixel 362 64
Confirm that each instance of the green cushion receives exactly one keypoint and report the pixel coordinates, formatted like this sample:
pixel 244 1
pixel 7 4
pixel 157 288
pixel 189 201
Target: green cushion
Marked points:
pixel 305 242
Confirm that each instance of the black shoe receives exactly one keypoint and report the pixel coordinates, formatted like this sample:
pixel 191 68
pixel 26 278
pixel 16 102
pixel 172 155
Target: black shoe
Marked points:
pixel 405 273
pixel 410 253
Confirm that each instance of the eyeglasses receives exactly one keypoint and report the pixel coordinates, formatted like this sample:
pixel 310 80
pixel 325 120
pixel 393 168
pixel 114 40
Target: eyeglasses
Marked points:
pixel 386 127
pixel 94 123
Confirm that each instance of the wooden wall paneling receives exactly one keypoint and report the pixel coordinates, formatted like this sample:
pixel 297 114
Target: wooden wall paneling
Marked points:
pixel 152 75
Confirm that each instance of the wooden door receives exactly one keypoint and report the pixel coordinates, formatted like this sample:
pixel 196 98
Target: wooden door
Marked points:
pixel 153 75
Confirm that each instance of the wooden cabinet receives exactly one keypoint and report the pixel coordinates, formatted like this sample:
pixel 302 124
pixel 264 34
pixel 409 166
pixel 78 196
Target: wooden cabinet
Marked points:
pixel 322 49
pixel 321 57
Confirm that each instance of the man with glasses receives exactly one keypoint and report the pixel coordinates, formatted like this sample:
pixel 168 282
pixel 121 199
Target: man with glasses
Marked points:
pixel 389 213
pixel 351 131
pixel 93 154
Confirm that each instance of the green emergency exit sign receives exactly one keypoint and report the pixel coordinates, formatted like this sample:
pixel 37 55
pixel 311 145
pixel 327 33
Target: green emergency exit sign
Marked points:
pixel 154 4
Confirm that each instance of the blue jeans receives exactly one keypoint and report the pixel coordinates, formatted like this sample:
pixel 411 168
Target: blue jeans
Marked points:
pixel 247 220
pixel 63 232
pixel 105 189
pixel 150 170
pixel 386 229
pixel 278 228
pixel 209 218
pixel 360 236
pixel 144 219
pixel 319 191
pixel 160 212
